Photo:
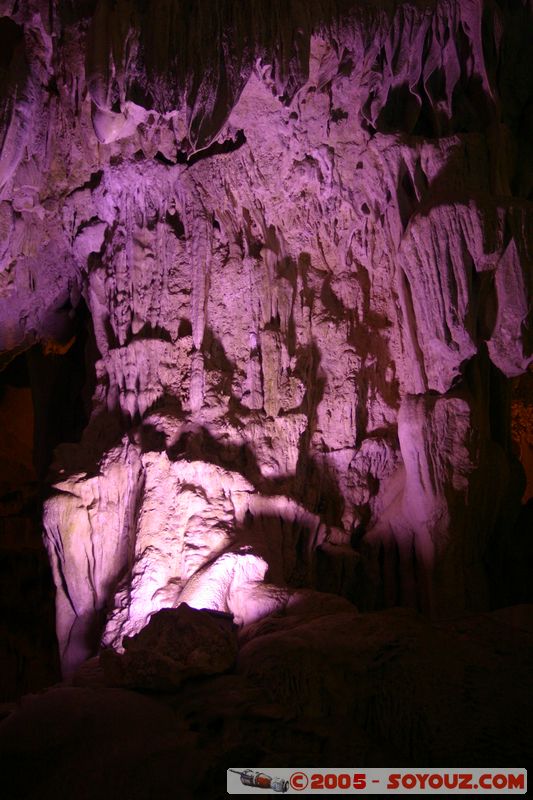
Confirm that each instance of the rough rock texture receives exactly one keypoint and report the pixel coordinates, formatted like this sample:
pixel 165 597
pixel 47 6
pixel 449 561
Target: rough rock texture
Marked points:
pixel 303 234
pixel 397 691
pixel 522 425
pixel 175 645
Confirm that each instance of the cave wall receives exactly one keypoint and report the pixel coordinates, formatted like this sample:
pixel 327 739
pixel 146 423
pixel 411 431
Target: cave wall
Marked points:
pixel 303 234
pixel 28 645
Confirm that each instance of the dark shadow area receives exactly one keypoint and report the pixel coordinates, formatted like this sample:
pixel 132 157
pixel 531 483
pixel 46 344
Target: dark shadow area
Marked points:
pixel 512 548
pixel 11 35
pixel 62 382
pixel 28 646
pixel 45 396
pixel 149 331
pixel 400 112
pixel 423 109
pixel 494 513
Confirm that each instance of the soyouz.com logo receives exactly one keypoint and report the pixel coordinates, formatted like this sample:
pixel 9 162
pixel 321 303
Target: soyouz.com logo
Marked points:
pixel 249 780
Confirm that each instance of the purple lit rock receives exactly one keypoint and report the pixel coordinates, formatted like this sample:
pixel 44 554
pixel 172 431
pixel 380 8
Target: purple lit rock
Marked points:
pixel 303 241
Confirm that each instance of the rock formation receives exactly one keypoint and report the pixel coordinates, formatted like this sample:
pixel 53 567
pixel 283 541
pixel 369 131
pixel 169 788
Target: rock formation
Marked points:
pixel 298 238
pixel 394 691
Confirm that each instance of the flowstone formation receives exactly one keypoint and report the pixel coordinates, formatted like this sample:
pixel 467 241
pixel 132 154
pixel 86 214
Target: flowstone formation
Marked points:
pixel 303 235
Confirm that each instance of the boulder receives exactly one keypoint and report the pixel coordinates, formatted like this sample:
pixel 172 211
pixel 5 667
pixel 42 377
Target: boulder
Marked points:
pixel 176 644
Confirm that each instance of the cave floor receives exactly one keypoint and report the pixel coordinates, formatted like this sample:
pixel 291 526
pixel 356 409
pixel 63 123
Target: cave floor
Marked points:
pixel 315 686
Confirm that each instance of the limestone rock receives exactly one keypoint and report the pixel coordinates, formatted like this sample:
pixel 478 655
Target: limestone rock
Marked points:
pixel 176 644
pixel 414 685
pixel 317 681
pixel 300 237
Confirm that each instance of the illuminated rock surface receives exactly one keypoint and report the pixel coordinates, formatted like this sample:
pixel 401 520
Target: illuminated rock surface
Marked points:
pixel 307 269
pixel 290 245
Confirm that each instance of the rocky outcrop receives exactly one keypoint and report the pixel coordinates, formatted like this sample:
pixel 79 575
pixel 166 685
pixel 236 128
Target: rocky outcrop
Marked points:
pixel 175 645
pixel 303 235
pixel 318 683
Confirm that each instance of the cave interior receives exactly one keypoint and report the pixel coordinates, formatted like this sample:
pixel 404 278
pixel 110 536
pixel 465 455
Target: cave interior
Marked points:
pixel 266 390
